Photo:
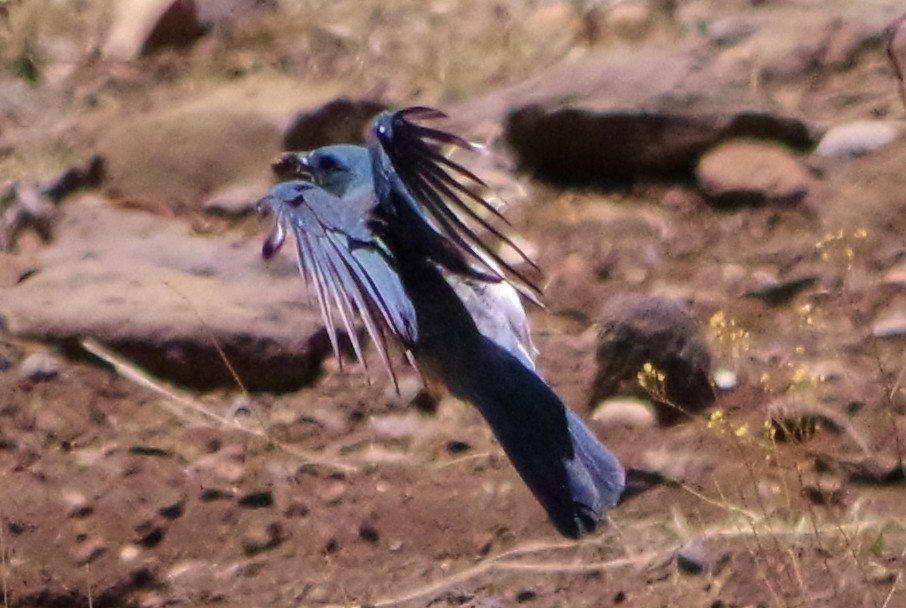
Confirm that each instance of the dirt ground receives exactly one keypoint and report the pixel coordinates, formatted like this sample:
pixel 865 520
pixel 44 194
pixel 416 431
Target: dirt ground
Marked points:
pixel 118 490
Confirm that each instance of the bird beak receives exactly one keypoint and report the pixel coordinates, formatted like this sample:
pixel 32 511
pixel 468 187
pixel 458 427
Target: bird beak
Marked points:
pixel 291 165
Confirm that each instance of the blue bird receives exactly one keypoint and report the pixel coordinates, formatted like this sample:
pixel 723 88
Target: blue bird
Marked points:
pixel 379 231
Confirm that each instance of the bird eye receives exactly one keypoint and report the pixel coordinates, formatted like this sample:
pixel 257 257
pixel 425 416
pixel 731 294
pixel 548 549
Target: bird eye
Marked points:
pixel 328 163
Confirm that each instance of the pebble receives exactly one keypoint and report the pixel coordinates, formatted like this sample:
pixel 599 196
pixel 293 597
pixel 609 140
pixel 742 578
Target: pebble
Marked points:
pixel 88 552
pixel 262 538
pixel 891 324
pixel 824 491
pixel 332 493
pixel 692 558
pixel 725 379
pixel 129 553
pixel 40 367
pixel 626 412
pixel 894 276
pixel 740 173
pixel 858 138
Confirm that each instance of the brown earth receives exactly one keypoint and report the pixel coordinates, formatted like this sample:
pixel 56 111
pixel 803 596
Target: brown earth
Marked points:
pixel 116 490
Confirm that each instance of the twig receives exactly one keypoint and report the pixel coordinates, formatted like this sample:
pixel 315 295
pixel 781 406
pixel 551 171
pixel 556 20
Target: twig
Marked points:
pixel 892 589
pixel 890 33
pixel 131 372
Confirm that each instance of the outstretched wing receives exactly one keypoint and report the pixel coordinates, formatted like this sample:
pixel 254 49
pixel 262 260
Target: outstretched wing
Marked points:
pixel 414 180
pixel 351 273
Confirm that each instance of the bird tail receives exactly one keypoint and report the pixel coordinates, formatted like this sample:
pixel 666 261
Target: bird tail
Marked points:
pixel 574 477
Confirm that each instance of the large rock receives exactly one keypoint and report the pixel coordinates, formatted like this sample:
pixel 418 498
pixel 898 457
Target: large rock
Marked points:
pixel 610 117
pixel 166 298
pixel 653 346
pixel 341 121
pixel 218 140
pixel 579 146
pixel 141 27
pixel 750 172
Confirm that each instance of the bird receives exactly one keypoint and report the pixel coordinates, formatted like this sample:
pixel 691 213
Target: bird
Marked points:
pixel 379 232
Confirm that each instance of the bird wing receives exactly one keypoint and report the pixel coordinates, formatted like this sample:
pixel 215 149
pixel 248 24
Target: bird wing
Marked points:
pixel 351 272
pixel 413 179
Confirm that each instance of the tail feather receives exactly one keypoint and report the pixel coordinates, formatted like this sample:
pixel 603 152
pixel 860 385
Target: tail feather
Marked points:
pixel 574 477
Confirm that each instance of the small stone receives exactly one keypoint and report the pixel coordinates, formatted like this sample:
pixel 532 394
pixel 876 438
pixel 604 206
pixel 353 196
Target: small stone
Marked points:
pixel 398 426
pixel 39 367
pixel 857 138
pixel 230 472
pixel 262 538
pixel 257 500
pixel 369 534
pixel 692 558
pixel 129 553
pixel 880 575
pixel 626 412
pixel 890 324
pixel 729 31
pixel 795 420
pixel 89 551
pixel 526 595
pixel 629 20
pixel 333 492
pixel 725 379
pixel 404 392
pixel 76 502
pixel 653 348
pixel 739 173
pixel 896 275
pixel 824 491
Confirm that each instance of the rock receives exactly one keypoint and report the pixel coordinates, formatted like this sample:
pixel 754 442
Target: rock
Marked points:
pixel 824 491
pixel 875 470
pixel 658 343
pixel 141 27
pixel 629 20
pixel 891 323
pixel 728 31
pixel 692 558
pixel 725 379
pixel 549 30
pixel 776 292
pixel 797 419
pixel 263 538
pixel 624 412
pixel 858 138
pixel 39 367
pixel 574 146
pixel 341 121
pixel 170 301
pixel 848 40
pixel 896 275
pixel 662 464
pixel 879 574
pixel 332 493
pixel 740 173
pixel 185 153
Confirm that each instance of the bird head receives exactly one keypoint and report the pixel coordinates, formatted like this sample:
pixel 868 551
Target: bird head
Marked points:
pixel 337 169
